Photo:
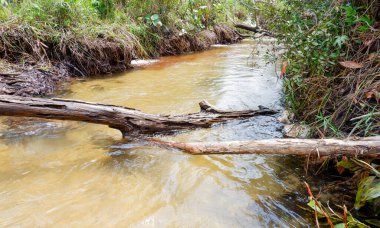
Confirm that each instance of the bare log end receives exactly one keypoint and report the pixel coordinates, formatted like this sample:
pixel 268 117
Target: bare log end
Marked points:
pixel 254 29
pixel 207 107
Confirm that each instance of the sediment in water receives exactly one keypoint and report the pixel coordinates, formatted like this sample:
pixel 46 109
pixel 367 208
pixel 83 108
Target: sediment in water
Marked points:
pixel 36 66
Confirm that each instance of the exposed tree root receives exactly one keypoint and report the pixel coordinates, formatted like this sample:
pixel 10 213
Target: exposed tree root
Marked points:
pixel 30 80
pixel 177 43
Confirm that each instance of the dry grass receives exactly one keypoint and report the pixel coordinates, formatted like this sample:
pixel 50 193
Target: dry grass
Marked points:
pixel 82 55
pixel 351 98
pixel 39 60
pixel 177 43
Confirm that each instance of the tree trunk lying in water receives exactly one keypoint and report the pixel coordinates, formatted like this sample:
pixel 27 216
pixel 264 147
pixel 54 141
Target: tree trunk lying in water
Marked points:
pixel 309 147
pixel 254 29
pixel 126 120
pixel 247 27
pixel 133 121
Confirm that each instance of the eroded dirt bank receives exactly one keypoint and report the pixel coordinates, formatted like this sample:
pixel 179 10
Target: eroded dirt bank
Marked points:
pixel 31 67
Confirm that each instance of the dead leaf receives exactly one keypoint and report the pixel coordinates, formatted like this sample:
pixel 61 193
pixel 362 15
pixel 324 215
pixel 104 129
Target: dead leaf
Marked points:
pixel 372 94
pixel 340 169
pixel 283 69
pixel 368 42
pixel 355 100
pixel 369 94
pixel 372 56
pixel 351 64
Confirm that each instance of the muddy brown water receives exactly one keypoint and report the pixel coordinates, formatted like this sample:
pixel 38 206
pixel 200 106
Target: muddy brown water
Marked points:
pixel 59 173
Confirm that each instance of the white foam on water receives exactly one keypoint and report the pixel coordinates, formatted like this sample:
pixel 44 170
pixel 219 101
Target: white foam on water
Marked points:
pixel 142 62
pixel 219 45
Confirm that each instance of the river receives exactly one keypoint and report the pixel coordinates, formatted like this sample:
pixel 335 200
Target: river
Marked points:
pixel 84 175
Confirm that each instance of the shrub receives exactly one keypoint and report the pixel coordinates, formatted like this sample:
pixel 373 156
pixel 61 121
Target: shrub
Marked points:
pixel 329 69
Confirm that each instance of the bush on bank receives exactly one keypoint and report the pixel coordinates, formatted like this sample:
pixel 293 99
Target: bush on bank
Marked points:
pixel 333 62
pixel 332 83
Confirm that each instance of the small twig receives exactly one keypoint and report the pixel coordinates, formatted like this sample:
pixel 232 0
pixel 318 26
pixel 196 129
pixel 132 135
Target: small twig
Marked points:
pixel 366 115
pixel 319 156
pixel 366 165
pixel 318 205
pixel 345 216
pixel 316 218
pixel 307 164
pixel 332 211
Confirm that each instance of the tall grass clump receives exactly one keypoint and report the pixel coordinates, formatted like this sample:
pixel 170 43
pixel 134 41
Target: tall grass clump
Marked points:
pixel 331 70
pixel 332 79
pixel 86 34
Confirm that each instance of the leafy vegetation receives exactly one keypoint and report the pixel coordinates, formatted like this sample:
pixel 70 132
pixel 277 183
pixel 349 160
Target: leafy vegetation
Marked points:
pixel 93 30
pixel 332 56
pixel 90 16
pixel 367 201
pixel 333 65
pixel 332 61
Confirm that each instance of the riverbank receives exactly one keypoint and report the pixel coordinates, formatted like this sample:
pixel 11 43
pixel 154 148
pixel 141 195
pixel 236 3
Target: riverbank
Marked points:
pixel 331 70
pixel 97 56
pixel 44 43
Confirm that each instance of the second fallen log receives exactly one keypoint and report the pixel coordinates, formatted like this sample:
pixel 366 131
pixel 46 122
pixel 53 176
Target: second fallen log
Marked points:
pixel 305 147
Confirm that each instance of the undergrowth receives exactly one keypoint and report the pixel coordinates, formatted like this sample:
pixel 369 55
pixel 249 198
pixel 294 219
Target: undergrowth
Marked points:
pixel 331 71
pixel 86 33
pixel 332 79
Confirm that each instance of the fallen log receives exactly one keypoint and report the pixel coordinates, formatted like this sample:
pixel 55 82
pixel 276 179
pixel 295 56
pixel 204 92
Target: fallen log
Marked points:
pixel 248 28
pixel 254 29
pixel 126 120
pixel 306 147
pixel 130 121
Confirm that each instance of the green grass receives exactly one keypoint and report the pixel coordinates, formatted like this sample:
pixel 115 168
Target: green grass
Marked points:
pixel 335 100
pixel 147 20
pixel 318 35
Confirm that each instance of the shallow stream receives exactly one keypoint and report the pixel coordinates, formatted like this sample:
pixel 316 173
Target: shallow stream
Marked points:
pixel 60 173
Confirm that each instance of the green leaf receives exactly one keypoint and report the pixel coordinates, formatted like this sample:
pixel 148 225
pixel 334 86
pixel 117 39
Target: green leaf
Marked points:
pixel 374 222
pixel 354 223
pixel 373 192
pixel 314 206
pixel 157 23
pixel 155 17
pixel 364 186
pixel 347 164
pixel 367 20
pixel 340 225
pixel 3 3
pixel 363 28
pixel 351 14
pixel 340 40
